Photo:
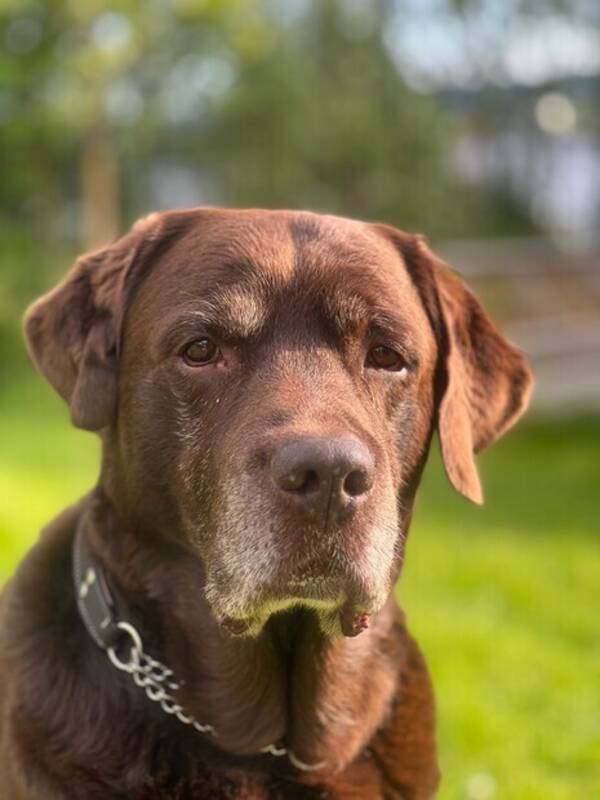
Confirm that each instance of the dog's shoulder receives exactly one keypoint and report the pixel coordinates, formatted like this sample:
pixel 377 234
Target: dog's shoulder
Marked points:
pixel 39 641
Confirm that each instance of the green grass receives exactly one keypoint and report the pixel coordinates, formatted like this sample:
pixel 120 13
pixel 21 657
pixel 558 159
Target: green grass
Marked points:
pixel 504 600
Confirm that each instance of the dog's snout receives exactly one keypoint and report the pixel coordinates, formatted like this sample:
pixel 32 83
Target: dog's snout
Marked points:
pixel 323 474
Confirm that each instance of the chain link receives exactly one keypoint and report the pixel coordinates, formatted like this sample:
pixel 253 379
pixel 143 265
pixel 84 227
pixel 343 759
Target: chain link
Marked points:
pixel 154 677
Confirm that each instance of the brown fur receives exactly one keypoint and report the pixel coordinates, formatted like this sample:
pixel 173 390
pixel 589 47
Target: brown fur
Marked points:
pixel 188 525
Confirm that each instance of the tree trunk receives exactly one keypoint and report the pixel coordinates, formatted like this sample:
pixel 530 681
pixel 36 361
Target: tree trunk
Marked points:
pixel 99 189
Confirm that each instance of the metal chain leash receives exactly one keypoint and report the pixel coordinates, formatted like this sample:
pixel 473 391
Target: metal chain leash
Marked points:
pixel 154 678
pixel 158 681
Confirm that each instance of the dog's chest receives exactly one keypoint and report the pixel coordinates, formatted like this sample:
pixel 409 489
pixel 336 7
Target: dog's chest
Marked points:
pixel 232 785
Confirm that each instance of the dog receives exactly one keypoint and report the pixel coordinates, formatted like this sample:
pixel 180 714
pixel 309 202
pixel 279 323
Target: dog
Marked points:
pixel 215 619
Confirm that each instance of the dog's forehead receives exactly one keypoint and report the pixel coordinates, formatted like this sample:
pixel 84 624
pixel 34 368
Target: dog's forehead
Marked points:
pixel 240 262
pixel 221 248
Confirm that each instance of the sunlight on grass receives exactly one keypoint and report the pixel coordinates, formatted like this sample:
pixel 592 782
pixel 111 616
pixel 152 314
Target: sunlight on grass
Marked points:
pixel 44 465
pixel 503 600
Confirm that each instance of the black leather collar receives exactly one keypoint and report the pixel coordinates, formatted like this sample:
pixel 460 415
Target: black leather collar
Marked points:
pixel 95 600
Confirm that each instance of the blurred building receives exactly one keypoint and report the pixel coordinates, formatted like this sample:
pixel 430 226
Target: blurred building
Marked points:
pixel 547 299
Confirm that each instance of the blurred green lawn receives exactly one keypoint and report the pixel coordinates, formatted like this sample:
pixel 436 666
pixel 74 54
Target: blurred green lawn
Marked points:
pixel 504 600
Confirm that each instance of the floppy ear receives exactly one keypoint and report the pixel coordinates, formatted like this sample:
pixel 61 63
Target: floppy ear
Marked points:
pixel 72 333
pixel 483 381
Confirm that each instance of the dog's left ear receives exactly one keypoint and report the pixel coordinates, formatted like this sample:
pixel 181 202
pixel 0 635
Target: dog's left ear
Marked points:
pixel 483 381
pixel 72 333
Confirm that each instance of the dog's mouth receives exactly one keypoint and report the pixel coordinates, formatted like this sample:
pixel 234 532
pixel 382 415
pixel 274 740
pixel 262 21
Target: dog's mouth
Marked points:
pixel 342 579
pixel 341 604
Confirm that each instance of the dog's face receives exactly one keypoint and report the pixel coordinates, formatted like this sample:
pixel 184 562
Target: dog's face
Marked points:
pixel 267 384
pixel 277 373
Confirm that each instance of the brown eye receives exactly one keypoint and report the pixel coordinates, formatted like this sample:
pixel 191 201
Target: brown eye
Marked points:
pixel 383 357
pixel 200 352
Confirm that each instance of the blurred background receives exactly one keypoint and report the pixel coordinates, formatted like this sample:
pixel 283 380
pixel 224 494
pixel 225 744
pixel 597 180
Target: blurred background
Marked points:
pixel 476 122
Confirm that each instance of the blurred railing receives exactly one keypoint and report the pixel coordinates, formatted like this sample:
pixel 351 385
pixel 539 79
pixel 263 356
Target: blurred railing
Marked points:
pixel 548 302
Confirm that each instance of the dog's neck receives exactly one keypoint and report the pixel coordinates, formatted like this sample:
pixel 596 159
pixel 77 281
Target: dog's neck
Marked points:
pixel 290 684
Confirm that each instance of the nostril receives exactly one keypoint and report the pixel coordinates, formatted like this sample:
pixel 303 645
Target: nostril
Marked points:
pixel 356 483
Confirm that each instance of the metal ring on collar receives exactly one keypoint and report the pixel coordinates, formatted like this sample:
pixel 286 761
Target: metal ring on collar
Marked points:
pixel 134 654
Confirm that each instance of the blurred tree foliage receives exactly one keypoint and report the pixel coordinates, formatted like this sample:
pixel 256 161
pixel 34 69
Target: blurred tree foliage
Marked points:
pixel 261 102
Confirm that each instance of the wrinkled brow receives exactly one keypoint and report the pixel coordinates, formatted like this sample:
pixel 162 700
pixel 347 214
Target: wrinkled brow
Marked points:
pixel 354 314
pixel 240 312
pixel 233 313
pixel 347 312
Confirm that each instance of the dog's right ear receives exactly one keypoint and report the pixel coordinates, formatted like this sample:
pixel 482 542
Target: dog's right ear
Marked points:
pixel 73 332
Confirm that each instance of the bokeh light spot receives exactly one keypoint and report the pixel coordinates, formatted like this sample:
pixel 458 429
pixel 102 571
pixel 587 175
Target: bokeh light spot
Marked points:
pixel 556 114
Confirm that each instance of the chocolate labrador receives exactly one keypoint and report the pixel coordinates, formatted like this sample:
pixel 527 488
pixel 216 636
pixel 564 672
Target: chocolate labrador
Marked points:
pixel 215 619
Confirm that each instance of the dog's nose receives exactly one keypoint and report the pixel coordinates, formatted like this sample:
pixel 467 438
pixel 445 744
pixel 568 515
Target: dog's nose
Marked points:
pixel 323 475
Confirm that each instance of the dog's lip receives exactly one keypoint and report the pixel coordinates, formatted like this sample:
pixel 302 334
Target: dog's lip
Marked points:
pixel 353 619
pixel 329 594
pixel 318 591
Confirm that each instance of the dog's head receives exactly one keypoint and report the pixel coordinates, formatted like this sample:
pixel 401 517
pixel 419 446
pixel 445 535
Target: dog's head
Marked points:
pixel 266 384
